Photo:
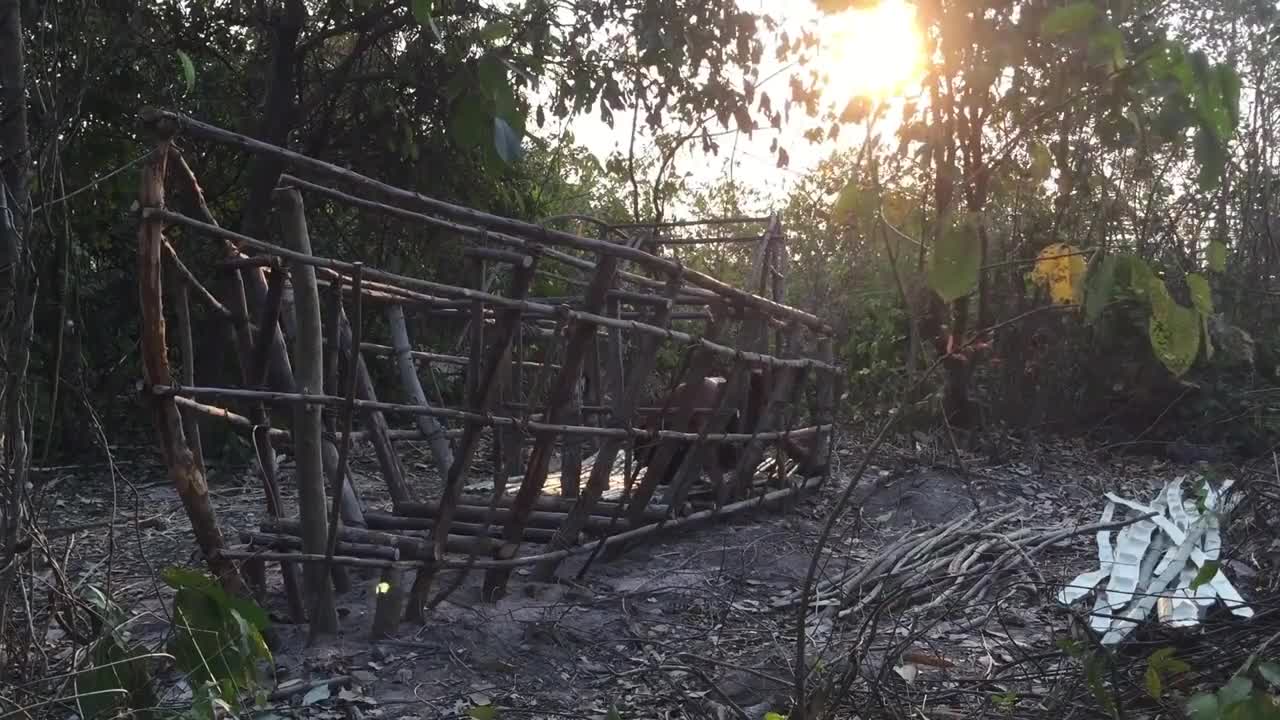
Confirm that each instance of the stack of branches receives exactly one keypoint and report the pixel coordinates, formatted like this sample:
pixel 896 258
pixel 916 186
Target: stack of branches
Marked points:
pixel 955 565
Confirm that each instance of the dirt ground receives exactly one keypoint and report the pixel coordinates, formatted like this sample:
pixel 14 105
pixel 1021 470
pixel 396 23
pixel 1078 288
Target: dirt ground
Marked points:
pixel 699 624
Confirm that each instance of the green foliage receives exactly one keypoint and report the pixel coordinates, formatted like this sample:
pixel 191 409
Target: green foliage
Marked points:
pixel 1100 287
pixel 1201 297
pixel 956 259
pixel 1160 666
pixel 117 677
pixel 218 641
pixel 1174 331
pixel 188 70
pixel 1206 574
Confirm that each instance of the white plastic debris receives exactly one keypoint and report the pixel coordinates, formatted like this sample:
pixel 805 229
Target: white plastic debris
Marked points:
pixel 1155 563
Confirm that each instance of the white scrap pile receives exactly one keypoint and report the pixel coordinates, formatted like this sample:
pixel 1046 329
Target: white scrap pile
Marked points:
pixel 1155 562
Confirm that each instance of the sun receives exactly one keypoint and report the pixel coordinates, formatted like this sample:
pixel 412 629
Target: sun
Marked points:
pixel 875 52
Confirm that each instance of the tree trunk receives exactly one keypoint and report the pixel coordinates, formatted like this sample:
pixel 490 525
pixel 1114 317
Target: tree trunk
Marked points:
pixel 307 425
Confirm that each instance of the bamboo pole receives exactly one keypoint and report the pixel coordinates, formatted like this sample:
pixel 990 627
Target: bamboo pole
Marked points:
pixel 781 394
pixel 309 351
pixel 183 471
pixel 540 457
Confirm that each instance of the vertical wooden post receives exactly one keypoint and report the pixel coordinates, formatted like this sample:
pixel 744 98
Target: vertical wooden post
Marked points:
pixel 512 444
pixel 644 362
pixel 613 364
pixel 183 471
pixel 309 353
pixel 571 446
pixel 428 426
pixel 540 458
pixel 374 420
pixel 389 594
pixel 824 408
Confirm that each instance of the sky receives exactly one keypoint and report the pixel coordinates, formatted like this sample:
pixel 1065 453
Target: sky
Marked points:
pixel 863 53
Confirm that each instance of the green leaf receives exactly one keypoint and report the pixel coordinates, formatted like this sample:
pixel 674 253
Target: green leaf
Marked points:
pixel 1201 297
pixel 957 257
pixel 188 70
pixel 1238 689
pixel 1203 707
pixel 774 716
pixel 1174 332
pixel 1217 256
pixel 1154 683
pixel 1100 287
pixel 612 714
pixel 506 141
pixel 483 712
pixel 1069 19
pixel 1270 671
pixel 1207 572
pixel 1229 85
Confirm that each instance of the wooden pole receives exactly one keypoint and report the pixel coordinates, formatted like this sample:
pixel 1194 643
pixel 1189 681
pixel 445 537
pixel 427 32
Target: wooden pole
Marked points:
pixel 540 458
pixel 185 474
pixel 309 351
pixel 430 428
pixel 186 346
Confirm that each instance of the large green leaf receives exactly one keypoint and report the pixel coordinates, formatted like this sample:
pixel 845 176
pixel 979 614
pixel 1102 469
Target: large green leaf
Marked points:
pixel 957 258
pixel 188 70
pixel 1069 19
pixel 1174 332
pixel 1201 297
pixel 1203 707
pixel 422 12
pixel 853 203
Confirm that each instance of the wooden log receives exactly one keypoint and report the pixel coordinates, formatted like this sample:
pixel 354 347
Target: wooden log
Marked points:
pixel 192 282
pixel 571 447
pixel 183 471
pixel 510 440
pixel 288 571
pixel 307 424
pixel 428 426
pixel 290 542
pixel 642 367
pixel 308 559
pixel 763 501
pixel 545 519
pixel 614 366
pixel 552 503
pixel 413 547
pixel 823 411
pixel 569 374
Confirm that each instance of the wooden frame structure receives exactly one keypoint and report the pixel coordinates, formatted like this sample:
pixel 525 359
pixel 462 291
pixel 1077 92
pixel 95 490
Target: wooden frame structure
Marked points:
pixel 299 324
